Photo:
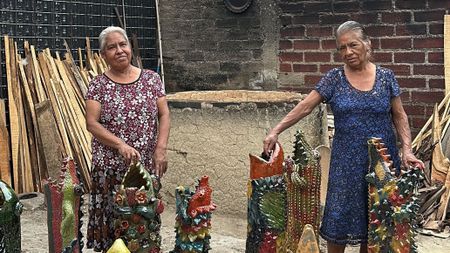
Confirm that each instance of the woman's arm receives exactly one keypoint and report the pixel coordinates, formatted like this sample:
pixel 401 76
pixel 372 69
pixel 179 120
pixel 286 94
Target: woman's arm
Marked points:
pixel 104 136
pixel 160 155
pixel 402 126
pixel 302 109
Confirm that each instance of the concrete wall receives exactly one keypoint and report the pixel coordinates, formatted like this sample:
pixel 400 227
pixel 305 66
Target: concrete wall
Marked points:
pixel 215 140
pixel 207 47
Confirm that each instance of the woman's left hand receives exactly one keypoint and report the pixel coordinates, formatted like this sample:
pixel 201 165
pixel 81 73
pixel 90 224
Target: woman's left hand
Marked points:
pixel 160 160
pixel 409 159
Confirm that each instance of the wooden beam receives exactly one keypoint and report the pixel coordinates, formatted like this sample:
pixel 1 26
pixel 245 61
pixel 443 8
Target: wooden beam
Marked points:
pixel 447 53
pixel 52 146
pixel 5 169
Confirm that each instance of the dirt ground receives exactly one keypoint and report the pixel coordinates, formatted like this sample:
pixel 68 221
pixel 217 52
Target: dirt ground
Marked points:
pixel 228 233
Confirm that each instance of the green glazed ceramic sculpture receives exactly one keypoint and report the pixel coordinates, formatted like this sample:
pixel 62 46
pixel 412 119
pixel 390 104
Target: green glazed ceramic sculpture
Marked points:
pixel 10 211
pixel 138 206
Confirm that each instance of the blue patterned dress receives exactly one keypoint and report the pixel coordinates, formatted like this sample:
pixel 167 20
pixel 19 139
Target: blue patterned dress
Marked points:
pixel 358 115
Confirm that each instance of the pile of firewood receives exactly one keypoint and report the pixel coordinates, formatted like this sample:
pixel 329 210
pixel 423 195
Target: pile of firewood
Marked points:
pixel 432 145
pixel 46 114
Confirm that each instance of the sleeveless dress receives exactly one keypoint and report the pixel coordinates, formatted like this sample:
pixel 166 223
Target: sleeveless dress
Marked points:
pixel 130 112
pixel 358 115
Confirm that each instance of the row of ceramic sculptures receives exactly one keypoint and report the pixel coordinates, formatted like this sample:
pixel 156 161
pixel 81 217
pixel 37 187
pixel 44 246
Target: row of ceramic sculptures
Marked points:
pixel 138 206
pixel 284 198
pixel 283 207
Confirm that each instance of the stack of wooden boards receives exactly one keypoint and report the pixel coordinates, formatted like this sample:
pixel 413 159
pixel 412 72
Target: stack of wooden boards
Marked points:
pixel 432 145
pixel 46 114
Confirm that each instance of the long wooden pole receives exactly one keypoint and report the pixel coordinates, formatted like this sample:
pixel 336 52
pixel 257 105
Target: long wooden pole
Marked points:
pixel 5 169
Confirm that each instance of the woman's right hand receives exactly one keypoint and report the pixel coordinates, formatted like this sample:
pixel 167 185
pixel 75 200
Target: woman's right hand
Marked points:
pixel 129 153
pixel 269 142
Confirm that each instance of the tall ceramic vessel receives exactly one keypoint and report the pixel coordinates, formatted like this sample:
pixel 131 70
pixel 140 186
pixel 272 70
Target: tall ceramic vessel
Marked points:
pixel 392 203
pixel 138 206
pixel 64 199
pixel 10 211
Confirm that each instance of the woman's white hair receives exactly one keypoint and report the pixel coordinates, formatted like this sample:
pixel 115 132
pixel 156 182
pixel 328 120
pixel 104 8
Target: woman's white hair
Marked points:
pixel 106 32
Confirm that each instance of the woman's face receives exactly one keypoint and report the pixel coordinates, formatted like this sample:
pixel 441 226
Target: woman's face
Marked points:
pixel 353 50
pixel 117 51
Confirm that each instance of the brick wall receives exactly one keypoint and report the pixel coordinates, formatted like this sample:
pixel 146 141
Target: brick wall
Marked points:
pixel 207 47
pixel 407 36
pixel 47 23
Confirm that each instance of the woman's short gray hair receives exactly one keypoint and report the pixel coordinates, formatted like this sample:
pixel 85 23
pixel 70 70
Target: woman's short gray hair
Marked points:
pixel 106 32
pixel 352 26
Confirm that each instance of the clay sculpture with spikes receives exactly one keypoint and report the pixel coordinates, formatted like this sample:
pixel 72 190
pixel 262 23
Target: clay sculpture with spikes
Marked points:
pixel 64 199
pixel 193 220
pixel 392 203
pixel 266 203
pixel 138 206
pixel 303 177
pixel 284 196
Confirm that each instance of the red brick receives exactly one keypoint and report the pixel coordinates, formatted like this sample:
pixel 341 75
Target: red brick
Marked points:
pixel 427 16
pixel 317 57
pixel 414 109
pixel 375 43
pixel 418 122
pixel 345 7
pixel 399 70
pixel 319 31
pixel 312 79
pixel 285 44
pixel 439 4
pixel 436 29
pixel 377 5
pixel 380 30
pixel 435 57
pixel 436 83
pixel 291 57
pixel 396 43
pixel 306 44
pixel 305 68
pixel 395 17
pixel 406 96
pixel 382 56
pixel 292 8
pixel 365 18
pixel 333 19
pixel 306 19
pixel 337 57
pixel 290 32
pixel 427 96
pixel 407 30
pixel 435 69
pixel 429 43
pixel 412 82
pixel 324 6
pixel 409 57
pixel 285 67
pixel 324 68
pixel 328 44
pixel 408 4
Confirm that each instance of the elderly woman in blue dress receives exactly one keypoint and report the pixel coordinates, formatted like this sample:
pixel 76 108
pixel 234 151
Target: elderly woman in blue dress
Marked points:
pixel 365 100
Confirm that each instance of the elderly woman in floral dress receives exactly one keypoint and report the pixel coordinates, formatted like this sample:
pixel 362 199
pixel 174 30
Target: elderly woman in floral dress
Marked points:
pixel 128 116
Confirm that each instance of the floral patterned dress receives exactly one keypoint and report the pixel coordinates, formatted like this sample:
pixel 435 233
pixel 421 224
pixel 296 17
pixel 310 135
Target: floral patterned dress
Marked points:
pixel 130 112
pixel 358 115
